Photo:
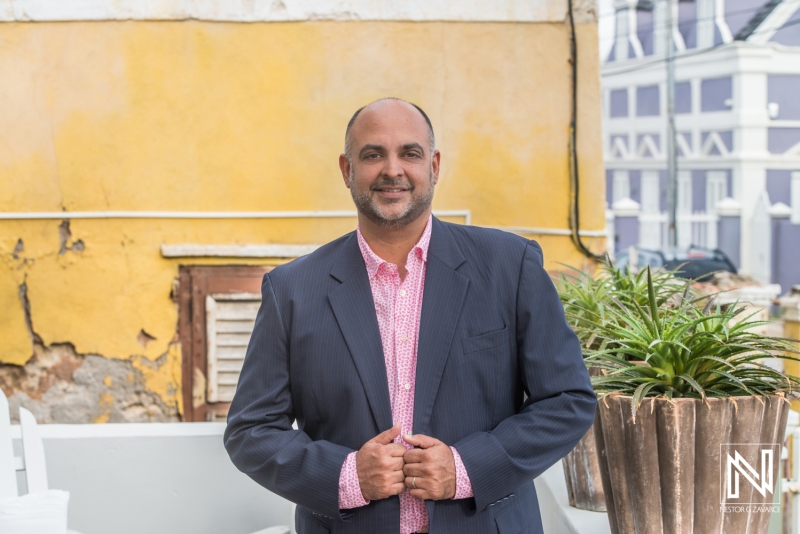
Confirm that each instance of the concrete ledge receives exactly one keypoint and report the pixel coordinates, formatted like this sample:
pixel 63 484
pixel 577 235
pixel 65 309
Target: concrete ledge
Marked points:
pixel 285 10
pixel 236 251
pixel 558 517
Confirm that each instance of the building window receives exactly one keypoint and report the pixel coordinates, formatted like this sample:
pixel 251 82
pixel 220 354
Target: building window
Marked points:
pixel 648 103
pixel 716 189
pixel 621 185
pixel 217 309
pixel 716 94
pixel 683 98
pixel 651 201
pixel 782 91
pixel 618 103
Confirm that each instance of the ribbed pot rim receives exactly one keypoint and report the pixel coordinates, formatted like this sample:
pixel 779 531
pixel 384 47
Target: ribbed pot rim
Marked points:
pixel 689 399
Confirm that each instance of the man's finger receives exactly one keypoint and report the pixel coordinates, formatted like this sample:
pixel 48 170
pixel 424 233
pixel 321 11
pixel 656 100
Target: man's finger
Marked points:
pixel 396 464
pixel 387 436
pixel 414 456
pixel 413 470
pixel 398 488
pixel 395 449
pixel 420 440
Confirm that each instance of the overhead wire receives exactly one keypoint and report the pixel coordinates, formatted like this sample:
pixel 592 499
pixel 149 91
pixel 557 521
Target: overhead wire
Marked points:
pixel 732 12
pixel 650 28
pixel 690 53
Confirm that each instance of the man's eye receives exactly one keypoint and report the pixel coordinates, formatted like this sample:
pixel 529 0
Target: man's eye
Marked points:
pixel 413 154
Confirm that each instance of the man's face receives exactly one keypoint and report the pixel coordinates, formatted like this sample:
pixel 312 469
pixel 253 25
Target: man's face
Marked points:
pixel 391 172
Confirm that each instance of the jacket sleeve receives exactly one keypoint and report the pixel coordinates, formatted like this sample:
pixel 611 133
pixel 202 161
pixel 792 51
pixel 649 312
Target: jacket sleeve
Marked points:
pixel 561 402
pixel 259 437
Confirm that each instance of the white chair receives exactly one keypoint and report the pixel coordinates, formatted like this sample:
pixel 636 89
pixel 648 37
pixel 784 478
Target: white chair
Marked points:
pixel 32 459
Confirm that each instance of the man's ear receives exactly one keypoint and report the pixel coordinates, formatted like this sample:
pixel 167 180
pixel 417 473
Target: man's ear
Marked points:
pixel 344 166
pixel 435 159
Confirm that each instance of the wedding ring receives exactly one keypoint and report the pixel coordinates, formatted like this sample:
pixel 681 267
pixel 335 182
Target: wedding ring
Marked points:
pixel 414 482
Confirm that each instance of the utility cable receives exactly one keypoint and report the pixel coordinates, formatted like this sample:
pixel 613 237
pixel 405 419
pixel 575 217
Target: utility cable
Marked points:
pixel 697 52
pixel 649 29
pixel 574 207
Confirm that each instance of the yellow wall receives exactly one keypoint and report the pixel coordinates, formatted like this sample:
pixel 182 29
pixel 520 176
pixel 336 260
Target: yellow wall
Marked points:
pixel 201 116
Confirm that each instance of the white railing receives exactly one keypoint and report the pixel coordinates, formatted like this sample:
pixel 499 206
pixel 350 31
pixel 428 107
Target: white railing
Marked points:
pixel 653 230
pixel 704 229
pixel 698 228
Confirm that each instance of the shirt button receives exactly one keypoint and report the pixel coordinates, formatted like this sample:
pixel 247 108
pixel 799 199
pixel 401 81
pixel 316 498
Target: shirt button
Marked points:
pixel 407 386
pixel 402 292
pixel 404 339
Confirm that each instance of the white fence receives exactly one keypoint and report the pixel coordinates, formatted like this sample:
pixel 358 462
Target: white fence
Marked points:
pixel 698 228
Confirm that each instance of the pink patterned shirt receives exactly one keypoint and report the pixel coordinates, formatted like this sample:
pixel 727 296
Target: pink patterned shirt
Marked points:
pixel 398 305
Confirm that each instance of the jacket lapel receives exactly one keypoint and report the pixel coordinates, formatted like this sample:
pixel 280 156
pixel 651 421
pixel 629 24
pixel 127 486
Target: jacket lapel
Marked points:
pixel 442 300
pixel 354 309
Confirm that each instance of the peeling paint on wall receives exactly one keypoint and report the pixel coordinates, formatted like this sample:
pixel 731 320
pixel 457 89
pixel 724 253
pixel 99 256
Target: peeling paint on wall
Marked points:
pixel 59 385
pixel 65 238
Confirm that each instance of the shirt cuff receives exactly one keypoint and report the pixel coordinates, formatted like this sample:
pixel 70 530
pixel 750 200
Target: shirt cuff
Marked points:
pixel 463 485
pixel 350 495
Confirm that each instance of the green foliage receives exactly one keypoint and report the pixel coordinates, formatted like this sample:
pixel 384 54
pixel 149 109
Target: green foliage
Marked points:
pixel 649 336
pixel 585 298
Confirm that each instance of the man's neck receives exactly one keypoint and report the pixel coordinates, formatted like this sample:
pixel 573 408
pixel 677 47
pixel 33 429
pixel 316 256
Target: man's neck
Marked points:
pixel 393 245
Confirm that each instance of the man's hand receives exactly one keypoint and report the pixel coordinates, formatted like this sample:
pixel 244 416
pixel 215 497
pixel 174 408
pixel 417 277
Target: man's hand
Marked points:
pixel 433 466
pixel 380 466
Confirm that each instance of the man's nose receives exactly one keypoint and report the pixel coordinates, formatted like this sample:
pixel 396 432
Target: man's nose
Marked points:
pixel 393 166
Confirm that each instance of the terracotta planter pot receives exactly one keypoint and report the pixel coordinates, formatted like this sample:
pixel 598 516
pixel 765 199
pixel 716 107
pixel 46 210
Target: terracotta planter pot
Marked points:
pixel 665 473
pixel 582 472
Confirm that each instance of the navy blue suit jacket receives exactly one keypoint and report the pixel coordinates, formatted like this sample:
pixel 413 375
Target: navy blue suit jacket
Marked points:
pixel 499 376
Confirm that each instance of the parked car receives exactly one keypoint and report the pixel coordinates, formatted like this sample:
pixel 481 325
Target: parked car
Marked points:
pixel 694 263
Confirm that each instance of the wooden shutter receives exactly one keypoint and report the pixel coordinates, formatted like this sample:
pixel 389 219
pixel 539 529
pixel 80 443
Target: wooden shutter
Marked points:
pixel 214 340
pixel 230 318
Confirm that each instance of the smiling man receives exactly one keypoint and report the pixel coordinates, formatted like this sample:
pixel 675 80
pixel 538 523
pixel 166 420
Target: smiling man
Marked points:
pixel 428 365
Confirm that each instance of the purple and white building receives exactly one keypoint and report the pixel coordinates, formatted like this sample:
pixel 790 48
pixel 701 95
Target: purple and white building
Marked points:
pixel 737 105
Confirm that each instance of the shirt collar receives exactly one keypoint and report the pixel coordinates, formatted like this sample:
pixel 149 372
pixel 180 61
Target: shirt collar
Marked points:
pixel 373 261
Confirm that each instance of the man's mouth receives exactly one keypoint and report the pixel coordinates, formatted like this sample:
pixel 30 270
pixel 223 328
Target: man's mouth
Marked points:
pixel 391 191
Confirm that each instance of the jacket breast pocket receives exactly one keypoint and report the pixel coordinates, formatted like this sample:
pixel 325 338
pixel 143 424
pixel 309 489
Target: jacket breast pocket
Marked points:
pixel 487 340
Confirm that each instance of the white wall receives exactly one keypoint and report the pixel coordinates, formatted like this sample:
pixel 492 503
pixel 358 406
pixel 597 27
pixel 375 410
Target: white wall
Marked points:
pixel 157 478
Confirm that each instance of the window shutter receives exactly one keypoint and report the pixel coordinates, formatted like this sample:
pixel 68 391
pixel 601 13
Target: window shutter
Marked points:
pixel 230 318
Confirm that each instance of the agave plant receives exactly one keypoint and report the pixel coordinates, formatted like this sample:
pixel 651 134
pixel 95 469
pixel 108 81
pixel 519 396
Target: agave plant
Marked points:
pixel 653 350
pixel 585 298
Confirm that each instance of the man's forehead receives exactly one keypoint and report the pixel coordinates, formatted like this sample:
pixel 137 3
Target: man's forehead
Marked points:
pixel 390 115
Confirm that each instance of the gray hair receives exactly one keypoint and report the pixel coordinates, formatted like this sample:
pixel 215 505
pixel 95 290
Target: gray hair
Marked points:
pixel 348 138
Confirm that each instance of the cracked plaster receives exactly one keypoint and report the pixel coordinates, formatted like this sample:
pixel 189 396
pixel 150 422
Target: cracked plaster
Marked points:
pixel 59 385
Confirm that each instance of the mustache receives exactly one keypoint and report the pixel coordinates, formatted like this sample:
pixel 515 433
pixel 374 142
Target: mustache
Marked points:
pixel 391 183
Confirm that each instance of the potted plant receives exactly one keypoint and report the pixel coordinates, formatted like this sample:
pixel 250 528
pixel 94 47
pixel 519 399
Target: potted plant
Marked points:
pixel 584 299
pixel 681 388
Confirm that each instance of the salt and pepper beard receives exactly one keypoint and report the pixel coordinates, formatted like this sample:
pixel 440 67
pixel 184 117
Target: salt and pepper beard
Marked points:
pixel 416 206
